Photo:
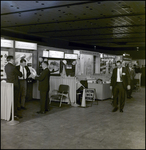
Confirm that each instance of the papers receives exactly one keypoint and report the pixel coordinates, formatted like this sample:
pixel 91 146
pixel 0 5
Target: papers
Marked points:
pixel 33 72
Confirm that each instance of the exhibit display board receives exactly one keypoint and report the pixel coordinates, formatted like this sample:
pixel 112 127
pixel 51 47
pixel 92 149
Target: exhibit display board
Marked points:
pixel 25 55
pixel 107 63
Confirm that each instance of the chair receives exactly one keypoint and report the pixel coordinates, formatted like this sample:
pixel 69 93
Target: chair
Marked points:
pixel 61 94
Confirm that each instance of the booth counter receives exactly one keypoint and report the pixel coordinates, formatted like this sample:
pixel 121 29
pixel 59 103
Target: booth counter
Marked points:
pixel 55 81
pixel 6 100
pixel 102 90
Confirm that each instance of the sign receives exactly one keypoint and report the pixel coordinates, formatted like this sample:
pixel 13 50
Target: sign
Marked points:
pixel 71 56
pixel 56 54
pixel 7 43
pixel 25 45
pixel 89 94
pixel 90 53
pixel 127 58
pixel 45 53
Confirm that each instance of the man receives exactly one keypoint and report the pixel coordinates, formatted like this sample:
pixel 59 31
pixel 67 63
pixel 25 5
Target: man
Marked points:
pixel 120 81
pixel 44 80
pixel 132 75
pixel 12 77
pixel 23 83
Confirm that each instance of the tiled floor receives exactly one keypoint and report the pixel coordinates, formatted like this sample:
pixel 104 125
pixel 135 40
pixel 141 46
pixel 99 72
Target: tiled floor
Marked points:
pixel 69 127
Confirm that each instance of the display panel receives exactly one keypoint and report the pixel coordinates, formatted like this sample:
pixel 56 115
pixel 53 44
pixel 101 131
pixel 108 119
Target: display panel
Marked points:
pixel 56 54
pixel 71 56
pixel 20 55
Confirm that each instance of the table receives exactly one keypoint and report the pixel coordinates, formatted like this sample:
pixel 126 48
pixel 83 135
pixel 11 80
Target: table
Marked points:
pixel 102 90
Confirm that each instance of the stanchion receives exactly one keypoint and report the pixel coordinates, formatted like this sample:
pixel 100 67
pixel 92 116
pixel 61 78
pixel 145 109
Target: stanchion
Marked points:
pixel 12 122
pixel 83 104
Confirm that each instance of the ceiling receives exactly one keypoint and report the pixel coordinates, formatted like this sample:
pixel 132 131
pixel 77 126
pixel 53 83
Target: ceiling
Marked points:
pixel 113 25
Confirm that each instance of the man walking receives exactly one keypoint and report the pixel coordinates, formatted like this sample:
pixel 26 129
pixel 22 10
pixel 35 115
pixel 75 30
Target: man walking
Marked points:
pixel 132 75
pixel 120 81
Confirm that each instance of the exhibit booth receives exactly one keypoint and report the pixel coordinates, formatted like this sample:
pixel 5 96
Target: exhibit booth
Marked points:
pixel 69 67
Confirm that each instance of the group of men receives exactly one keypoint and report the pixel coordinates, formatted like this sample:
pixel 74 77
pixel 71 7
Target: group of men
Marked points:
pixel 121 81
pixel 18 75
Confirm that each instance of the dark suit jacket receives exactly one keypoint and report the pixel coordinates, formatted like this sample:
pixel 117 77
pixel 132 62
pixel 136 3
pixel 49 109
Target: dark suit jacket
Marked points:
pixel 12 74
pixel 132 73
pixel 125 77
pixel 27 70
pixel 44 80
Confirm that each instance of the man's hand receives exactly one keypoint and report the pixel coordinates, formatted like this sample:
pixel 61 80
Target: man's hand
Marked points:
pixel 111 87
pixel 128 87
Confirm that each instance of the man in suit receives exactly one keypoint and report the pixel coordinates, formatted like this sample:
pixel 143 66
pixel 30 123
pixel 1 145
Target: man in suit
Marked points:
pixel 120 81
pixel 12 74
pixel 132 75
pixel 44 83
pixel 23 83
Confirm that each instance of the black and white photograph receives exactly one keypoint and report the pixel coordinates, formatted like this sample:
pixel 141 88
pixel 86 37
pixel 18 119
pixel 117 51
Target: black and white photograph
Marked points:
pixel 73 74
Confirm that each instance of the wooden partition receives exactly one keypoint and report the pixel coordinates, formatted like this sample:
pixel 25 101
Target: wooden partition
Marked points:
pixel 55 81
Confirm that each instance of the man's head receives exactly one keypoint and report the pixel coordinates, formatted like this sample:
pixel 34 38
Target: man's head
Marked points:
pixel 119 64
pixel 10 59
pixel 23 62
pixel 44 64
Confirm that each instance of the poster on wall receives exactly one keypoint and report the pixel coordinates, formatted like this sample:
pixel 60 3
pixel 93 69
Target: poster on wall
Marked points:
pixel 54 66
pixel 4 55
pixel 107 64
pixel 86 62
pixel 26 56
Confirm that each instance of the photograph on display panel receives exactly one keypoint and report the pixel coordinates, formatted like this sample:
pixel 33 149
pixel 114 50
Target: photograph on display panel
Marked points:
pixel 20 55
pixel 54 66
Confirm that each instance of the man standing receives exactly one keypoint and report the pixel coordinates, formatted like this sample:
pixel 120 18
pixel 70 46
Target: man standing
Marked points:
pixel 132 75
pixel 120 81
pixel 44 88
pixel 12 77
pixel 23 83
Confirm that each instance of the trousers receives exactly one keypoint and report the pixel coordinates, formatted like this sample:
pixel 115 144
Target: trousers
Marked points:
pixel 44 100
pixel 119 93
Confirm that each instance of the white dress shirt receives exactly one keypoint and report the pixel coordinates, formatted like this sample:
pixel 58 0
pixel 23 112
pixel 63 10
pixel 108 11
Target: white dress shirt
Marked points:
pixel 23 73
pixel 119 72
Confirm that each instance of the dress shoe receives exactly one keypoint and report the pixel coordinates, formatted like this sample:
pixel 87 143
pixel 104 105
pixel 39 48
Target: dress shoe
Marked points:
pixel 23 108
pixel 41 112
pixel 19 116
pixel 47 109
pixel 115 109
pixel 19 108
pixel 121 110
pixel 16 118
